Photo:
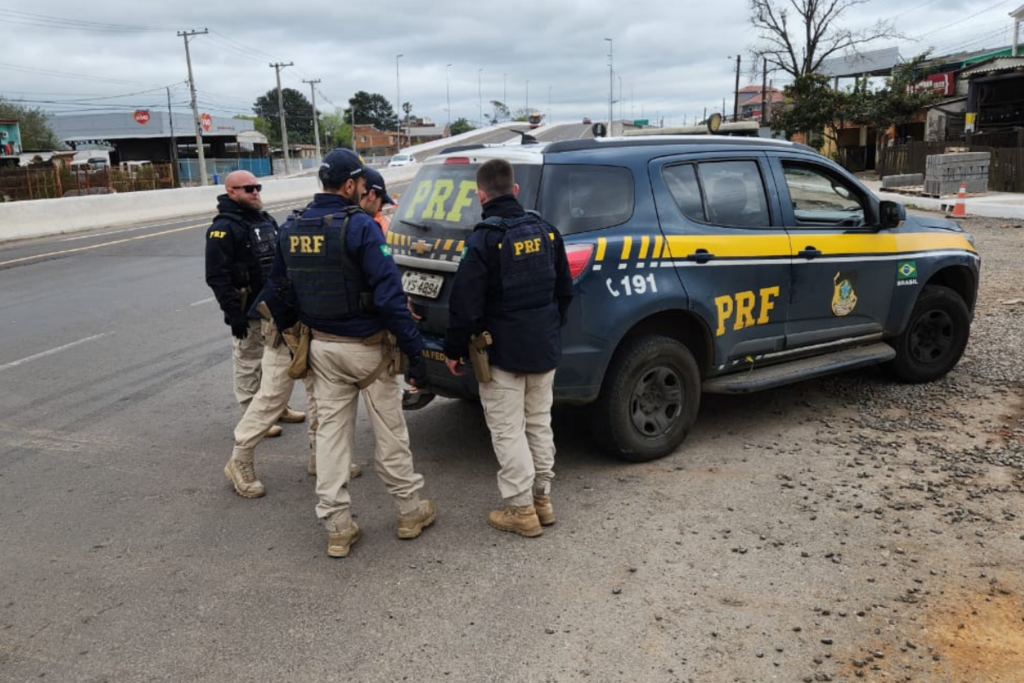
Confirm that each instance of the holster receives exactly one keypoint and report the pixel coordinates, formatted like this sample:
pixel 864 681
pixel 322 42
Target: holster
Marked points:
pixel 297 338
pixel 478 344
pixel 390 357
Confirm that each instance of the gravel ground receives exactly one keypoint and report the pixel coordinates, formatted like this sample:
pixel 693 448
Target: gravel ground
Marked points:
pixel 897 520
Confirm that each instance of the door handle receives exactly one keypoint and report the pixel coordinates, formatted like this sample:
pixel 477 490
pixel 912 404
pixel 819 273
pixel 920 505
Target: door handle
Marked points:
pixel 809 252
pixel 700 256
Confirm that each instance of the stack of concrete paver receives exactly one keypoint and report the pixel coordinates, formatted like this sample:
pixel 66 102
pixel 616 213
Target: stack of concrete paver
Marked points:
pixel 944 173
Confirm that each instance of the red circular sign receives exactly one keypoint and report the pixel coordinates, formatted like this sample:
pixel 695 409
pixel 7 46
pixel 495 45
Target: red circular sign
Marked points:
pixel 141 117
pixel 206 120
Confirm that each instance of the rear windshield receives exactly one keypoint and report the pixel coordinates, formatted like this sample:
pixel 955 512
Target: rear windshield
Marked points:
pixel 578 198
pixel 444 195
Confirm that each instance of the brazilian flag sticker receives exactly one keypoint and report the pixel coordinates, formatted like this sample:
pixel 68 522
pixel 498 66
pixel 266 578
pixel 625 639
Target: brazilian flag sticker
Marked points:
pixel 906 270
pixel 386 250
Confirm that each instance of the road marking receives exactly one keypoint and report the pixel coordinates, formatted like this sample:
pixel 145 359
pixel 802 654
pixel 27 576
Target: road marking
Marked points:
pixel 51 351
pixel 203 301
pixel 102 244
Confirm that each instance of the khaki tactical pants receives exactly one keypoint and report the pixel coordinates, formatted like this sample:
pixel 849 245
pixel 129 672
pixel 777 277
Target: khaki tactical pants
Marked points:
pixel 336 367
pixel 247 354
pixel 517 408
pixel 275 389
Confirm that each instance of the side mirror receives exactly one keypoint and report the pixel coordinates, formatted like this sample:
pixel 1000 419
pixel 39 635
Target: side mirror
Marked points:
pixel 890 214
pixel 599 130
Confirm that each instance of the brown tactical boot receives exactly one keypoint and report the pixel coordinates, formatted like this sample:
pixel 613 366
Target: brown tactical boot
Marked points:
pixel 292 416
pixel 517 519
pixel 243 476
pixel 545 511
pixel 412 525
pixel 275 430
pixel 339 543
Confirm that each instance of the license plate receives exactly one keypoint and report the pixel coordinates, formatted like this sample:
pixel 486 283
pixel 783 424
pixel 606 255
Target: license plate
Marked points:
pixel 422 284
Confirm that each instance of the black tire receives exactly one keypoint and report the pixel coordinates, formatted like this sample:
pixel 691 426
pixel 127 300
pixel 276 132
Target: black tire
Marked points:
pixel 934 339
pixel 649 399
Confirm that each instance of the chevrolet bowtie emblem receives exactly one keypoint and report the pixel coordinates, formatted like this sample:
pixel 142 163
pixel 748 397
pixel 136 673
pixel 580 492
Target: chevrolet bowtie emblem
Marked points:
pixel 421 248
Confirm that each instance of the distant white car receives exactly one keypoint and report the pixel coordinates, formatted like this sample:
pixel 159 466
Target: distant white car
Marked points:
pixel 401 160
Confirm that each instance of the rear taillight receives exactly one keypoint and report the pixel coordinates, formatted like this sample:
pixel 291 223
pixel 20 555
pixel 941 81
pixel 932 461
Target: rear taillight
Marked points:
pixel 456 160
pixel 578 256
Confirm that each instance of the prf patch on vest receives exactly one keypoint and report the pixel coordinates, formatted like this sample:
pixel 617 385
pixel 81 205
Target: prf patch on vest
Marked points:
pixel 527 248
pixel 306 245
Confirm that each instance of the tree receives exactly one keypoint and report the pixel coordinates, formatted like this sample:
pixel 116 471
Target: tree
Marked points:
pixel 459 126
pixel 298 116
pixel 372 110
pixel 815 108
pixel 817 34
pixel 501 113
pixel 34 125
pixel 336 129
pixel 896 103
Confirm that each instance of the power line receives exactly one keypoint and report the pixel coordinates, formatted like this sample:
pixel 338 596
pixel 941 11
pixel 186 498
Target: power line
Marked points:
pixel 959 22
pixel 64 74
pixel 42 20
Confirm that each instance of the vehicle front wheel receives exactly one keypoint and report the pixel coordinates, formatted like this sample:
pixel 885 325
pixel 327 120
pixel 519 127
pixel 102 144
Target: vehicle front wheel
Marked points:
pixel 649 399
pixel 935 337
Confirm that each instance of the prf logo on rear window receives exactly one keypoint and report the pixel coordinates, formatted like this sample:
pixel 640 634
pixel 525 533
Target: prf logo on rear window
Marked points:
pixel 439 200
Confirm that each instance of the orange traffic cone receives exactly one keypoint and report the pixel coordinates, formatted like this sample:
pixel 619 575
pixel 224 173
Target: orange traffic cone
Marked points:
pixel 960 208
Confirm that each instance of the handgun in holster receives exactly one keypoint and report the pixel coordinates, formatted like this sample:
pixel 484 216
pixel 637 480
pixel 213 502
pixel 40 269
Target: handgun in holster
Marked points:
pixel 478 344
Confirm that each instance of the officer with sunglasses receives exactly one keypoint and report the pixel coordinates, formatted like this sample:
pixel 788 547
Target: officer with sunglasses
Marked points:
pixel 240 246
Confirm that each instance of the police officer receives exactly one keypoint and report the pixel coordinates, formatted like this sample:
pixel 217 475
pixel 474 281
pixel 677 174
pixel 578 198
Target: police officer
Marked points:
pixel 514 283
pixel 240 247
pixel 333 263
pixel 375 197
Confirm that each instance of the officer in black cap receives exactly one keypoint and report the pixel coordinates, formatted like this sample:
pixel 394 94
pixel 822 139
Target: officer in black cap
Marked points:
pixel 514 287
pixel 375 197
pixel 239 251
pixel 335 267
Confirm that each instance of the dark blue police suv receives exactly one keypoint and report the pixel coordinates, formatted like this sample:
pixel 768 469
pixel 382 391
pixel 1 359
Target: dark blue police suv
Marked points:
pixel 702 264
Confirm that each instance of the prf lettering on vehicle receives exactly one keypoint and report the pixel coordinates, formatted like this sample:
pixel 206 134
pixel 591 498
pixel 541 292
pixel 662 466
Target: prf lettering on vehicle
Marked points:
pixel 742 307
pixel 305 244
pixel 440 200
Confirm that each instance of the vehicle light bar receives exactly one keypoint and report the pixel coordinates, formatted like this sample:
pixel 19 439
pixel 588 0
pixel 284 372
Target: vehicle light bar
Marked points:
pixel 579 257
pixel 456 160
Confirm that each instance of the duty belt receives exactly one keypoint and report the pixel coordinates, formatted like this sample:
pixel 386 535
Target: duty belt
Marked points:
pixel 374 338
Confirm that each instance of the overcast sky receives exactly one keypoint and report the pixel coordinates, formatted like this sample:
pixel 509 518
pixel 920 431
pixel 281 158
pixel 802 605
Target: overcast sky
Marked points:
pixel 671 55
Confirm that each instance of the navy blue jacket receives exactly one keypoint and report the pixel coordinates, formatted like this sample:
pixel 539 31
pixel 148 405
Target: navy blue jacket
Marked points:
pixel 230 263
pixel 524 341
pixel 367 249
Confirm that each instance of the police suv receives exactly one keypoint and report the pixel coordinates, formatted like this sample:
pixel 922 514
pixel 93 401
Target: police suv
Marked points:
pixel 702 264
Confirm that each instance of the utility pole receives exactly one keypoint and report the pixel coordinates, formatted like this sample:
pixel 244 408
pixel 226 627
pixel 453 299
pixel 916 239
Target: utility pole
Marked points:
pixel 736 93
pixel 611 86
pixel 277 66
pixel 527 96
pixel 195 107
pixel 448 94
pixel 174 142
pixel 504 89
pixel 480 94
pixel 764 93
pixel 316 126
pixel 398 103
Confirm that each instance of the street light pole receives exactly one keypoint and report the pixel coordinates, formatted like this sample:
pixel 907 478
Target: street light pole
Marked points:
pixel 398 102
pixel 620 97
pixel 480 95
pixel 736 93
pixel 316 125
pixel 611 87
pixel 448 90
pixel 527 96
pixel 504 89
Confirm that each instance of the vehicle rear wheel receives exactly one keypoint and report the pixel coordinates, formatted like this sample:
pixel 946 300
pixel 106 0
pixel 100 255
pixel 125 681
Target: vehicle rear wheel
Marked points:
pixel 649 399
pixel 935 337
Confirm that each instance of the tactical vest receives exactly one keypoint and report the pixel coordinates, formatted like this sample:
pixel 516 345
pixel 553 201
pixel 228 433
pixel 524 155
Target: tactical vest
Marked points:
pixel 261 241
pixel 327 284
pixel 527 255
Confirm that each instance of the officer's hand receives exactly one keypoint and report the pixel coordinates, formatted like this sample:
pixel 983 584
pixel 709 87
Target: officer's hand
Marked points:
pixel 416 375
pixel 453 366
pixel 240 327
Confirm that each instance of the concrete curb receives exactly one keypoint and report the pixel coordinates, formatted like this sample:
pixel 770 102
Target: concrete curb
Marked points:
pixel 43 217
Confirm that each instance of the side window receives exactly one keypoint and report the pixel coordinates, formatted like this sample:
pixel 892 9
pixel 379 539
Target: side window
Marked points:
pixel 682 184
pixel 735 194
pixel 582 198
pixel 820 198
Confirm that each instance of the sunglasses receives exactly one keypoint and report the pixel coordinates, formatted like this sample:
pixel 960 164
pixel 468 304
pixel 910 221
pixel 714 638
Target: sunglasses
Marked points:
pixel 249 189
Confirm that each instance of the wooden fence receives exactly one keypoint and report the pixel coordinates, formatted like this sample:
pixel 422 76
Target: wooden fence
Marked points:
pixel 1006 172
pixel 18 184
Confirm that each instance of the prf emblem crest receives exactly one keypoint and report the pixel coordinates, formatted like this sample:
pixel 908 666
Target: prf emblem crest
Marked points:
pixel 844 298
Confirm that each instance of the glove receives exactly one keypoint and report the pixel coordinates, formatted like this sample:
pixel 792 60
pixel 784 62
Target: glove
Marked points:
pixel 416 375
pixel 240 327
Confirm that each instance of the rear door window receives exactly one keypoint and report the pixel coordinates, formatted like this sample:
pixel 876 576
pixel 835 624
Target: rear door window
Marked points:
pixel 725 193
pixel 444 195
pixel 578 198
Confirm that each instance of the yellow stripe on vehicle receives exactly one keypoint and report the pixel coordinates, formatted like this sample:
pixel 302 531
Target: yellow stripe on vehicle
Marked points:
pixel 645 242
pixel 602 244
pixel 627 246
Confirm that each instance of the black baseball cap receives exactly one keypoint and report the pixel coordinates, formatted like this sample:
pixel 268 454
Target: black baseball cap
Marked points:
pixel 339 165
pixel 375 182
